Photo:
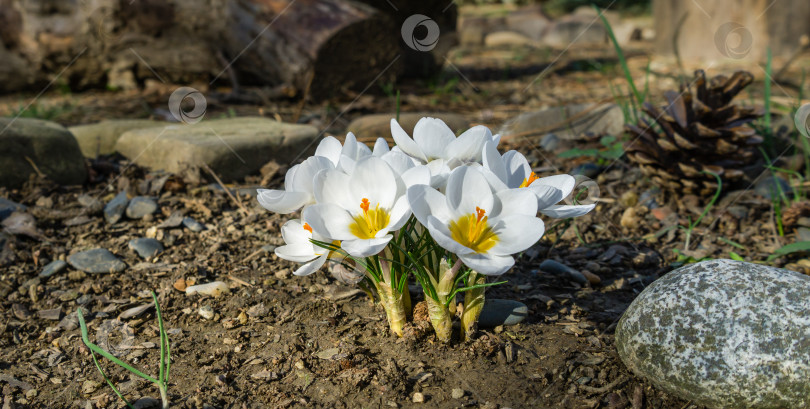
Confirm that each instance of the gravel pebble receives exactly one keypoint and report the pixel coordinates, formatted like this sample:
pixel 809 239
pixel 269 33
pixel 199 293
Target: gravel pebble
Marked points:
pixel 146 247
pixel 140 207
pixel 96 261
pixel 502 312
pixel 116 207
pixel 52 268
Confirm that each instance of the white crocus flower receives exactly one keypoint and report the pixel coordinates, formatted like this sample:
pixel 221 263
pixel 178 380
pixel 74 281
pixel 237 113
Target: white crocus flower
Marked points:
pixel 360 209
pixel 300 249
pixel 482 226
pixel 345 156
pixel 298 185
pixel 515 172
pixel 434 140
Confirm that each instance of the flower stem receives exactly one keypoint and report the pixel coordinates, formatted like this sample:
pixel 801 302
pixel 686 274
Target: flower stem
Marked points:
pixel 439 309
pixel 394 304
pixel 441 319
pixel 473 303
pixel 164 396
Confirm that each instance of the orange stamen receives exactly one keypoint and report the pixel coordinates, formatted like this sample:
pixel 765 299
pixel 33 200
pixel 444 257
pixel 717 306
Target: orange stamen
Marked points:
pixel 480 213
pixel 526 182
pixel 307 227
pixel 364 205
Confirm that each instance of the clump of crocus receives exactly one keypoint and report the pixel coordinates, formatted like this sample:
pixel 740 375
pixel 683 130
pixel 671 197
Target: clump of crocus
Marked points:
pixel 450 211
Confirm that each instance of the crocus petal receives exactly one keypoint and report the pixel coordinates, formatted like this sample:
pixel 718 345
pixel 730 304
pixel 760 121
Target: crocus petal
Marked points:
pixel 332 186
pixel 312 266
pixel 398 161
pixel 433 137
pixel 426 201
pixel 293 232
pixel 299 252
pixel 400 214
pixel 492 161
pixel 565 183
pixel 346 164
pixel 329 220
pixel 380 147
pixel 468 146
pixel 516 201
pixel 546 195
pixel 441 234
pixel 289 177
pixel 467 189
pixel 566 211
pixel 516 233
pixel 517 168
pixel 374 180
pixel 329 148
pixel 365 248
pixel 418 175
pixel 283 202
pixel 488 264
pixel 405 143
pixel 305 175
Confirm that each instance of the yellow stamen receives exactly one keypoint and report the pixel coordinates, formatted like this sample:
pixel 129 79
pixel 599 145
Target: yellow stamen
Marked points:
pixel 473 231
pixel 307 227
pixel 529 181
pixel 370 221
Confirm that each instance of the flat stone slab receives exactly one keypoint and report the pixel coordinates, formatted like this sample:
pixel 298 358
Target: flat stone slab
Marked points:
pixel 723 333
pixel 606 119
pixel 50 146
pixel 96 261
pixel 379 125
pixel 233 147
pixel 100 138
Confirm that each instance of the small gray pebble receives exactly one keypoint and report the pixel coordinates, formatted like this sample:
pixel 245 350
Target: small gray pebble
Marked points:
pixel 141 206
pixel 96 261
pixel 556 268
pixel 146 247
pixel 502 312
pixel 116 207
pixel 52 268
pixel 7 207
pixel 193 225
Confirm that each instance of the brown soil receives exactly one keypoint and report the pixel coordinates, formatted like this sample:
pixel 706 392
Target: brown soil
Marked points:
pixel 265 346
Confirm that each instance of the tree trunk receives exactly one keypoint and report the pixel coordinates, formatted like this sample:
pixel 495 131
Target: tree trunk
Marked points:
pixel 345 45
pixel 724 30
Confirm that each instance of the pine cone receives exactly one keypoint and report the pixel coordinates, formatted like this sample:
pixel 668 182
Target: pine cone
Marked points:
pixel 697 132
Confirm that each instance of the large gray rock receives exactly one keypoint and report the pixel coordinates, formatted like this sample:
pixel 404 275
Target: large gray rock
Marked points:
pixel 568 122
pixel 379 125
pixel 233 147
pixel 723 333
pixel 529 21
pixel 50 146
pixel 100 138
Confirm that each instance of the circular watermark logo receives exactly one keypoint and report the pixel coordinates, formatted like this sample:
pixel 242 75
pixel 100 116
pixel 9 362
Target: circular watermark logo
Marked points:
pixel 585 191
pixel 344 269
pixel 187 105
pixel 420 32
pixel 802 120
pixel 733 40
